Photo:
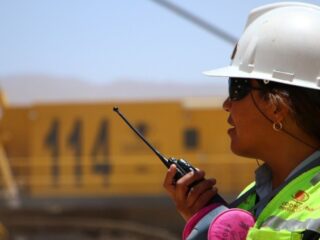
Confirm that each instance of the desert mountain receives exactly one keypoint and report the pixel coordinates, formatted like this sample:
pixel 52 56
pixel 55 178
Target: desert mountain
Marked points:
pixel 29 89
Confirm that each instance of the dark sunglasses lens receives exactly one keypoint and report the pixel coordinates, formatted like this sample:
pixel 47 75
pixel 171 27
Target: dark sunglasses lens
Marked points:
pixel 238 88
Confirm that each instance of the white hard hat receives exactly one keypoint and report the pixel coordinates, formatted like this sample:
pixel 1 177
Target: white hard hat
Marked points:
pixel 281 43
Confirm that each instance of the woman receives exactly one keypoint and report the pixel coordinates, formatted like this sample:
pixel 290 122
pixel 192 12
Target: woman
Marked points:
pixel 274 113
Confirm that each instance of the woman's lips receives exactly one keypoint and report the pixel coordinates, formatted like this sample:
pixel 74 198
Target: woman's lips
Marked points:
pixel 230 121
pixel 231 130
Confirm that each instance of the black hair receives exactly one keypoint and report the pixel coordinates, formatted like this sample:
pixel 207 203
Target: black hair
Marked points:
pixel 303 104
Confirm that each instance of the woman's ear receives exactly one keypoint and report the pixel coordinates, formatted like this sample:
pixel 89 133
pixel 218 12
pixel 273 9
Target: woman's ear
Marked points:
pixel 278 110
pixel 275 107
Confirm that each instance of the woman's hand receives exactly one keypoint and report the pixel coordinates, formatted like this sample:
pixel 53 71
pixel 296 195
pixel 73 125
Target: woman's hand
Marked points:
pixel 189 200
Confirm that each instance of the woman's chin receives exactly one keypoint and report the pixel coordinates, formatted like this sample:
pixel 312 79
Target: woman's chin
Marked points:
pixel 236 146
pixel 241 150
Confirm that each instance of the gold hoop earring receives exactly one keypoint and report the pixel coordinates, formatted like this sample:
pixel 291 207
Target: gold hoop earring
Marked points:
pixel 277 126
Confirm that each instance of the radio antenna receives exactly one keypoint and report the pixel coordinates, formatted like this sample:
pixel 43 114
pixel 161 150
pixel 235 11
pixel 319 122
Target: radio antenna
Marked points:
pixel 162 158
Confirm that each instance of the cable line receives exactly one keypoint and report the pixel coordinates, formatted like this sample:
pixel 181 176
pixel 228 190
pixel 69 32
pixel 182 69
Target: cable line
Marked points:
pixel 198 21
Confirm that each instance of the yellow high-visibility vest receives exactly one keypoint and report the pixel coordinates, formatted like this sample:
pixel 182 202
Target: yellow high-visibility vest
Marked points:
pixel 295 209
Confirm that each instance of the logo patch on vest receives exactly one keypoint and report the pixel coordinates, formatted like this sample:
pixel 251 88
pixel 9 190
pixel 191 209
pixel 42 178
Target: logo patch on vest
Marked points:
pixel 296 204
pixel 301 196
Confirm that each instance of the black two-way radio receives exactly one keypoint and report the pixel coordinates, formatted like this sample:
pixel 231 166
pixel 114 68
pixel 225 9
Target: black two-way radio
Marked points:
pixel 183 167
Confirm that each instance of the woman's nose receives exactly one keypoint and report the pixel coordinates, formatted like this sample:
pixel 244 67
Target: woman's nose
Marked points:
pixel 227 104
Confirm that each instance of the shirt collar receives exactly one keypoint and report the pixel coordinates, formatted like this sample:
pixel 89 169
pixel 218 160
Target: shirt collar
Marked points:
pixel 305 162
pixel 264 174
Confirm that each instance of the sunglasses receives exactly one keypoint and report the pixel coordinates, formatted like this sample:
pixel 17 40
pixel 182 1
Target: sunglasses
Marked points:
pixel 239 88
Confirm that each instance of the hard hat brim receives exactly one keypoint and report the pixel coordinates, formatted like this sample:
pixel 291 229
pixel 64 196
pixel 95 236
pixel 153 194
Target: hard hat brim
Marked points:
pixel 228 71
pixel 233 71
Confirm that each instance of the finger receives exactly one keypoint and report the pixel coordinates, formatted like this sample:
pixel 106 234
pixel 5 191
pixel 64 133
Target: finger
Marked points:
pixel 191 177
pixel 196 191
pixel 169 179
pixel 183 185
pixel 204 199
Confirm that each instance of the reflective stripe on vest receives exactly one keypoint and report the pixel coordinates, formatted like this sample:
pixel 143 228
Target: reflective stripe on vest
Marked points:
pixel 277 223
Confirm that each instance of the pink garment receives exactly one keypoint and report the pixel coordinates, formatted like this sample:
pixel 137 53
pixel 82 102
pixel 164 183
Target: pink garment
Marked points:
pixel 196 218
pixel 232 224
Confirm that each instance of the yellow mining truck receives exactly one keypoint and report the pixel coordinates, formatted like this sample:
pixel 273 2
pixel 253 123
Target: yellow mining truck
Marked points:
pixel 81 154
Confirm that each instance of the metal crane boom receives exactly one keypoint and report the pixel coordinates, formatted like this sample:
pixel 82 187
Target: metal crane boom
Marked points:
pixel 198 21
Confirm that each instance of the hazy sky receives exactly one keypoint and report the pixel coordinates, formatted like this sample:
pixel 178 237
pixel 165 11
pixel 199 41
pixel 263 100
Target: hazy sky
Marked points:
pixel 110 40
